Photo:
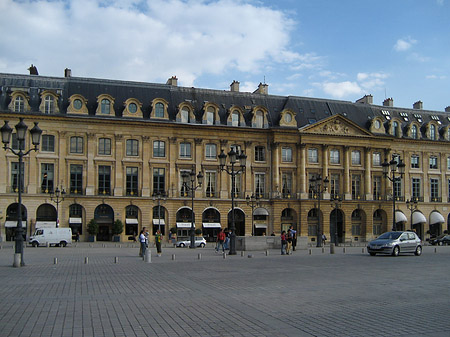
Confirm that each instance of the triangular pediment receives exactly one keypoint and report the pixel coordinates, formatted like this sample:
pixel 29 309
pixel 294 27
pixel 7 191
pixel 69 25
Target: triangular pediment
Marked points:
pixel 336 125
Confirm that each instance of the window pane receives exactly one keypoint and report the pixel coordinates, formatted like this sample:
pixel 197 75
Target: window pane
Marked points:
pixel 76 179
pixel 159 148
pixel 159 110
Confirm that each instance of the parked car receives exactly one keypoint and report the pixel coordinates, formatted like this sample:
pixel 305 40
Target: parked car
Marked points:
pixel 51 236
pixel 395 243
pixel 440 240
pixel 199 242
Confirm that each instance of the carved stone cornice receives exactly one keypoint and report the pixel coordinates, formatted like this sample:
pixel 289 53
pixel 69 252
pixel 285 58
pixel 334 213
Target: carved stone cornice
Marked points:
pixel 118 137
pixel 173 140
pixel 198 141
pixel 91 135
pixel 336 127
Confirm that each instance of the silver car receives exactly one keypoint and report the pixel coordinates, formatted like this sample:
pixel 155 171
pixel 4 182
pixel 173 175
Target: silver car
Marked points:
pixel 394 243
pixel 199 242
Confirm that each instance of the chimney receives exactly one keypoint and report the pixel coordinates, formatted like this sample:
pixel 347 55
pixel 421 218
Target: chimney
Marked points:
pixel 388 102
pixel 418 105
pixel 263 89
pixel 33 70
pixel 447 109
pixel 173 81
pixel 67 72
pixel 234 86
pixel 367 99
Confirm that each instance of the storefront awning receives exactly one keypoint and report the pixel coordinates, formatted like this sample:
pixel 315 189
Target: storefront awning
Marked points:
pixel 436 217
pixel 400 217
pixel 260 225
pixel 184 225
pixel 212 225
pixel 14 223
pixel 75 220
pixel 131 221
pixel 45 224
pixel 260 211
pixel 161 222
pixel 418 217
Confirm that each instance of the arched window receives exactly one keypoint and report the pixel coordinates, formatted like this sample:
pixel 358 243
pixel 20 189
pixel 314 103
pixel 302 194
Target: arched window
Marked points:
pixel 432 132
pixel 414 132
pixel 235 118
pixel 259 119
pixel 19 104
pixel 395 129
pixel 210 116
pixel 184 115
pixel 49 104
pixel 159 110
pixel 105 106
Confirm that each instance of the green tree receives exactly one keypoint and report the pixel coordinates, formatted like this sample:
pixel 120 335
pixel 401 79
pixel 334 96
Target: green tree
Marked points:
pixel 92 227
pixel 117 227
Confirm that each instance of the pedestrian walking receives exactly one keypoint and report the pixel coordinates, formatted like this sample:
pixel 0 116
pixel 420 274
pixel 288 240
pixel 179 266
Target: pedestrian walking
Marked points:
pixel 324 239
pixel 283 243
pixel 289 242
pixel 227 238
pixel 220 241
pixel 143 243
pixel 158 239
pixel 294 237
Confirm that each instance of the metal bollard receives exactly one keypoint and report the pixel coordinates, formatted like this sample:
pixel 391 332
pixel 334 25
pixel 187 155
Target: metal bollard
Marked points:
pixel 55 260
pixel 343 250
pixel 224 255
pixel 363 250
pixel 267 253
pixel 250 256
pixel 331 248
pixel 199 256
pixel 323 250
pixel 17 258
pixel 173 257
pixel 435 250
pixel 86 260
pixel 116 259
pixel 148 256
pixel 310 252
pixel 242 253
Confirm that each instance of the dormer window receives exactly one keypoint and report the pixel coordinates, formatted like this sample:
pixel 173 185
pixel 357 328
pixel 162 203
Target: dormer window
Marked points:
pixel 19 104
pixel 395 129
pixel 132 108
pixel 49 102
pixel 184 115
pixel 210 116
pixel 414 132
pixel 235 118
pixel 77 105
pixel 418 117
pixel 159 110
pixel 105 106
pixel 432 132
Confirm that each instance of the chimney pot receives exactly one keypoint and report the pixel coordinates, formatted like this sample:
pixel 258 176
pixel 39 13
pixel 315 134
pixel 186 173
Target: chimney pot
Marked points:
pixel 447 109
pixel 234 86
pixel 388 102
pixel 173 81
pixel 418 105
pixel 263 89
pixel 367 99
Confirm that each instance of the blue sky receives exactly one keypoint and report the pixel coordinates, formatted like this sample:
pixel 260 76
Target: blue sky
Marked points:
pixel 322 48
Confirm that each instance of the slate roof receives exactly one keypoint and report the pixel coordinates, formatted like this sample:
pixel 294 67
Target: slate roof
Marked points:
pixel 308 110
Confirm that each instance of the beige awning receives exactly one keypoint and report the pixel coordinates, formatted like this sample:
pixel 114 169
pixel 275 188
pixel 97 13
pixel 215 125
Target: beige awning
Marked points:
pixel 436 217
pixel 14 223
pixel 400 217
pixel 184 225
pixel 260 211
pixel 418 217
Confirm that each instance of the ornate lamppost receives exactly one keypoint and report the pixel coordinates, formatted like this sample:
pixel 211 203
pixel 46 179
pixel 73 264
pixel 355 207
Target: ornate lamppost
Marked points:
pixel 233 156
pixel 158 196
pixel 319 186
pixel 412 206
pixel 252 201
pixel 336 203
pixel 190 177
pixel 21 130
pixel 57 197
pixel 392 167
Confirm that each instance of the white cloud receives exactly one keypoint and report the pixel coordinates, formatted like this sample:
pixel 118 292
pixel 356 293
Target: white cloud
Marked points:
pixel 341 89
pixel 371 81
pixel 404 44
pixel 436 77
pixel 145 40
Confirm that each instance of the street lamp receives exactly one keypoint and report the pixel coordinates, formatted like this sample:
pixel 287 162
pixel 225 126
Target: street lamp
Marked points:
pixel 190 177
pixel 412 206
pixel 392 167
pixel 21 129
pixel 318 186
pixel 336 203
pixel 242 161
pixel 57 197
pixel 158 196
pixel 252 201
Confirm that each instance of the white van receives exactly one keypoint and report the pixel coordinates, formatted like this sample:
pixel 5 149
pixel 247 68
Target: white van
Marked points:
pixel 51 236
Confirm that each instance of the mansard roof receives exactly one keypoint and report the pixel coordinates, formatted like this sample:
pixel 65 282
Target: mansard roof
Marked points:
pixel 308 110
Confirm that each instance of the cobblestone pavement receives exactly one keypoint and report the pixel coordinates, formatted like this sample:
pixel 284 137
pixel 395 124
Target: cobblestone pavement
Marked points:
pixel 309 293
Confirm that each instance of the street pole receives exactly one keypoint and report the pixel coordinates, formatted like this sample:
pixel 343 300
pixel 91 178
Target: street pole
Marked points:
pixel 233 156
pixel 412 206
pixel 57 197
pixel 393 165
pixel 6 132
pixel 252 201
pixel 186 177
pixel 318 186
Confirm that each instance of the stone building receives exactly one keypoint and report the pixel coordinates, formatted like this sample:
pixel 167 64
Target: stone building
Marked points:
pixel 119 149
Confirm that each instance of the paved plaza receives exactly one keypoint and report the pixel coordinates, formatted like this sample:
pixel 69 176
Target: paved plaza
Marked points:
pixel 310 293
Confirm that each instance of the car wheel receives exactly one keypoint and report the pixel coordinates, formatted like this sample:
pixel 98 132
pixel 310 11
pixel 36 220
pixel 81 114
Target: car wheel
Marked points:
pixel 202 245
pixel 396 251
pixel 418 251
pixel 373 254
pixel 439 243
pixel 35 244
pixel 181 245
pixel 63 244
